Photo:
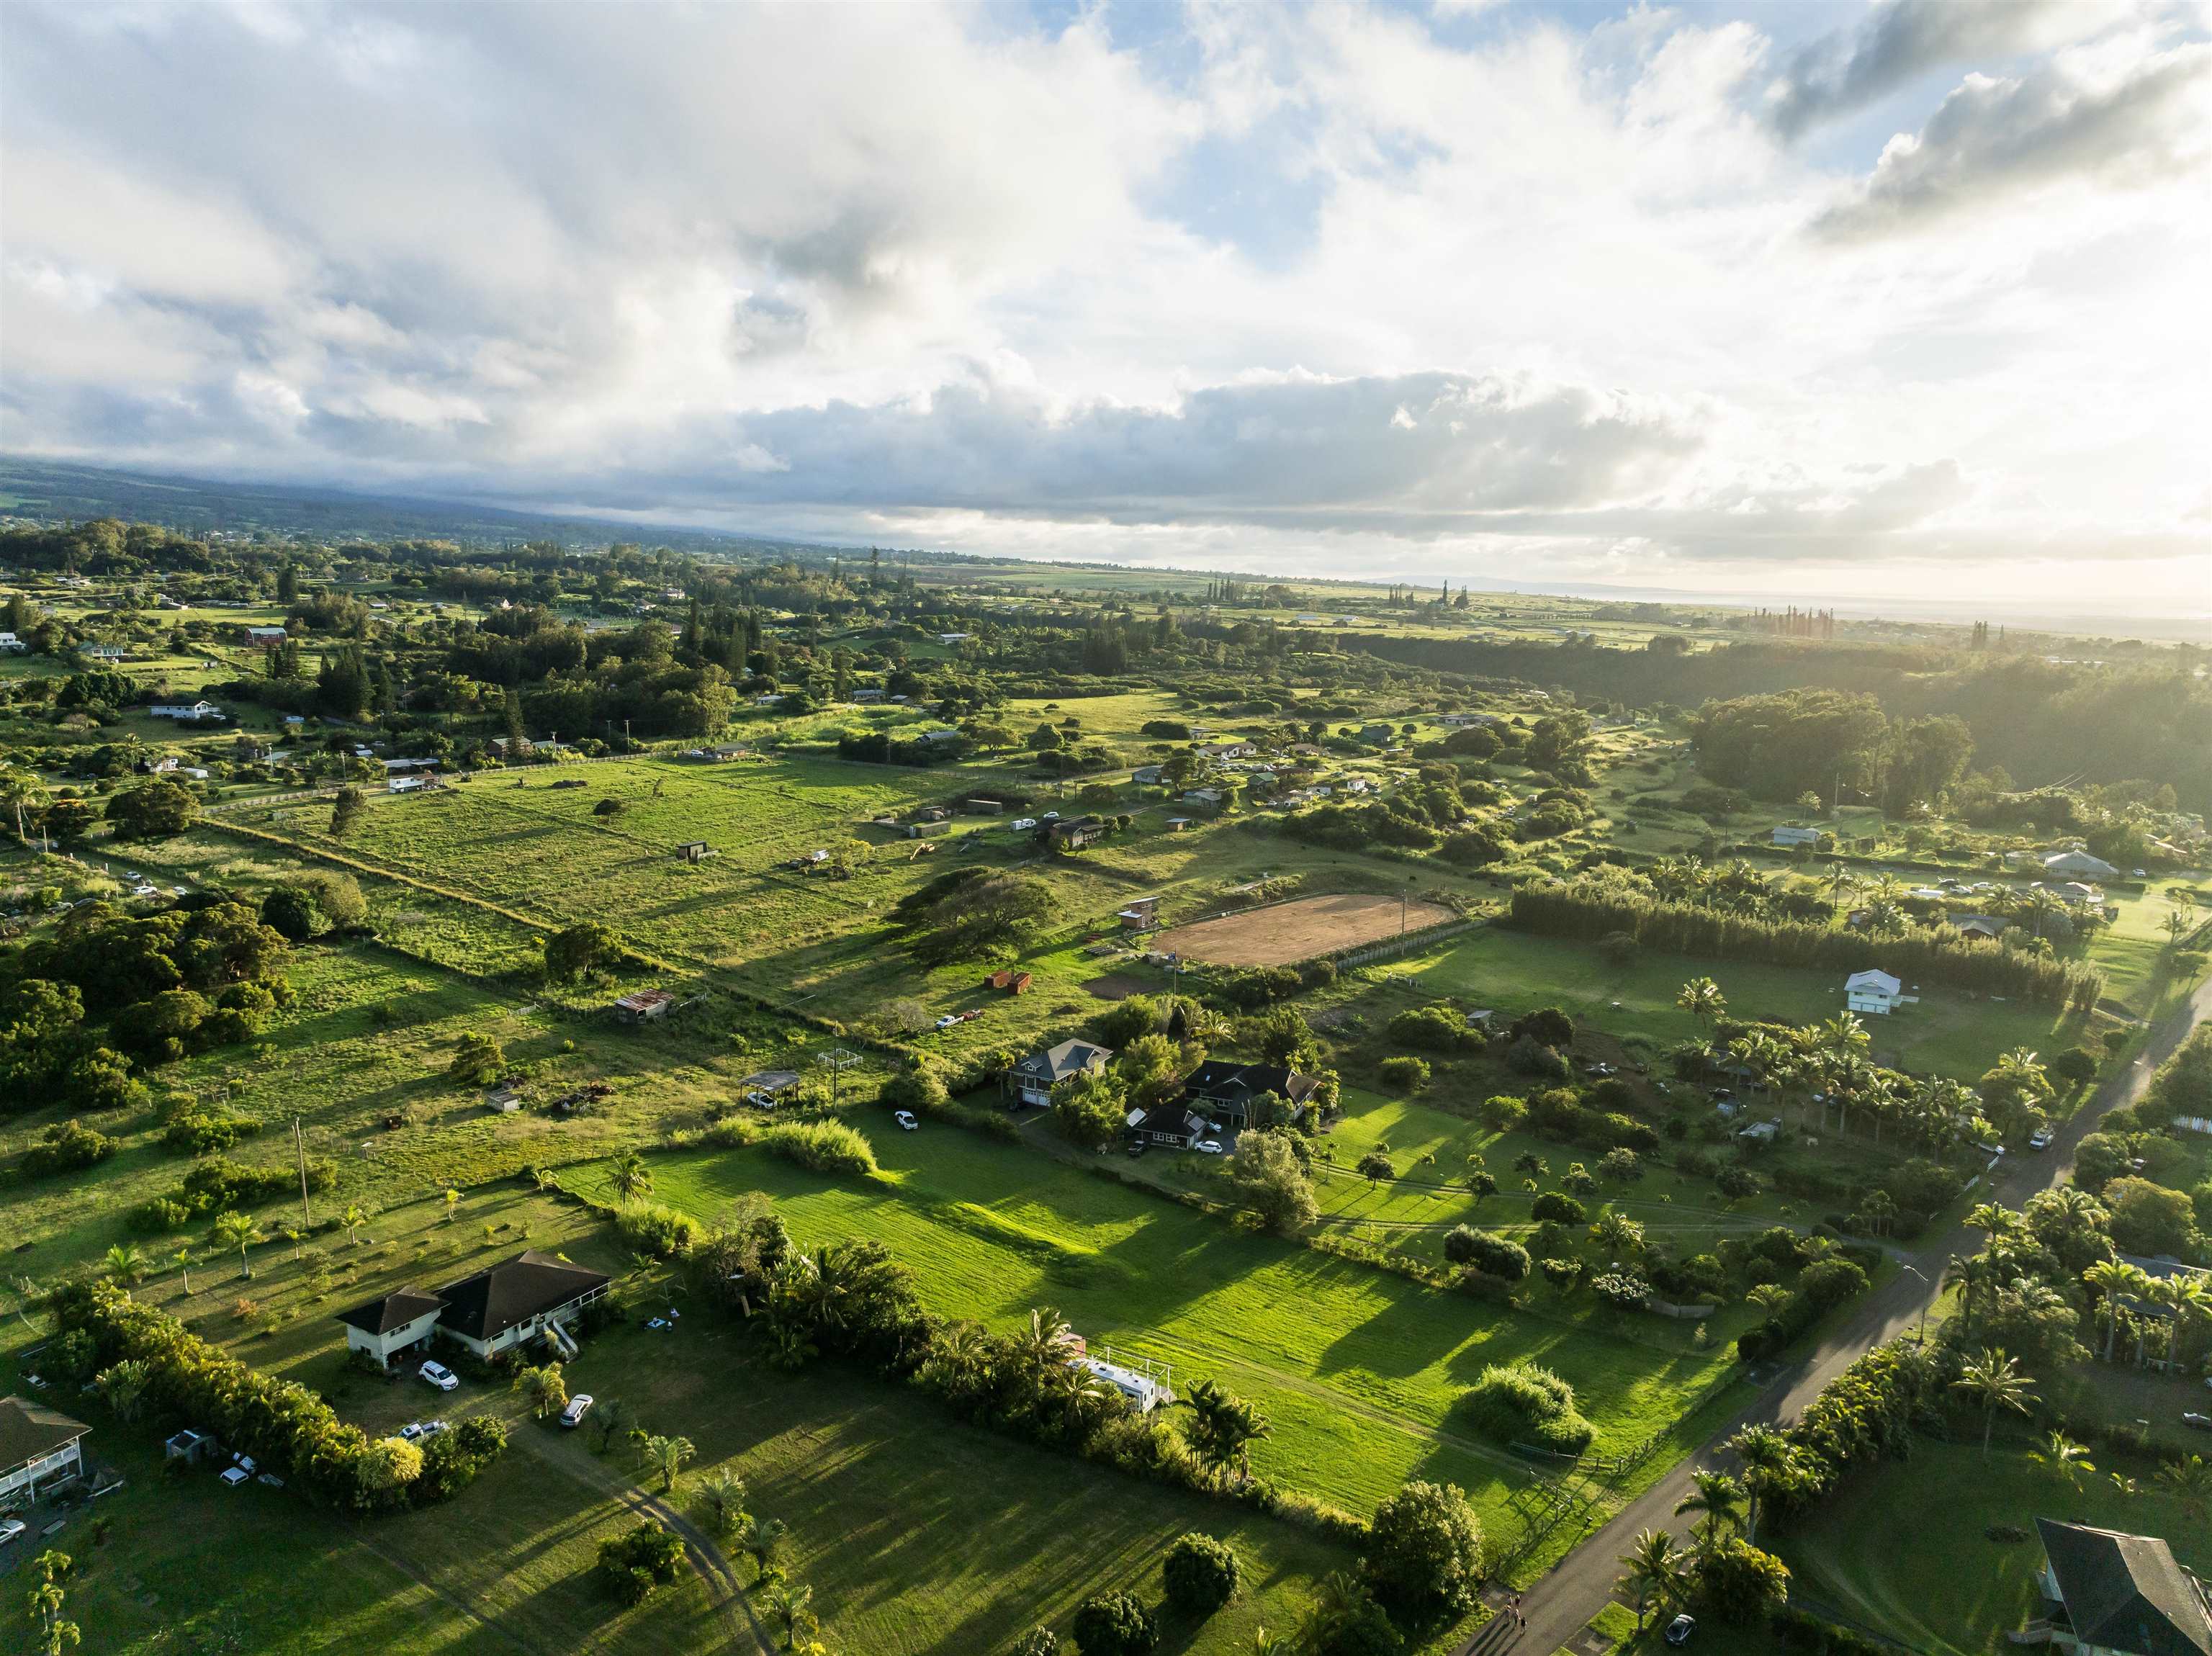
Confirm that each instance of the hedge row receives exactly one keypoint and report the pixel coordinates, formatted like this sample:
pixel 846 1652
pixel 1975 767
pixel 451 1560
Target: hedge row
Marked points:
pixel 1590 913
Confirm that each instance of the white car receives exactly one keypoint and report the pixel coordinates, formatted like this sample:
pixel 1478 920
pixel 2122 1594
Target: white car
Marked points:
pixel 1051 816
pixel 905 1118
pixel 439 1376
pixel 948 1020
pixel 1024 822
pixel 416 1431
pixel 236 1476
pixel 10 1528
pixel 759 1100
pixel 1207 1146
pixel 2041 1138
pixel 579 1406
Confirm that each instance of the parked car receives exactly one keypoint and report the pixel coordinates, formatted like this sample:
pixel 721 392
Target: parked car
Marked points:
pixel 2041 1138
pixel 948 1020
pixel 10 1528
pixel 1680 1629
pixel 905 1118
pixel 1050 816
pixel 439 1376
pixel 760 1100
pixel 418 1431
pixel 1024 822
pixel 1136 1149
pixel 2196 1423
pixel 579 1406
pixel 1207 1146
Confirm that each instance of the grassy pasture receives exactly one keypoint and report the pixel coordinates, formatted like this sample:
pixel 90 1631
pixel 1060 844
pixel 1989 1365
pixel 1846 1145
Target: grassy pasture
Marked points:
pixel 1954 1592
pixel 1360 1370
pixel 920 1536
pixel 1513 973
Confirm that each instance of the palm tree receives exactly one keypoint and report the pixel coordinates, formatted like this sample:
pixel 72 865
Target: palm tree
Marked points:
pixel 1843 1033
pixel 668 1456
pixel 2063 1456
pixel 123 1386
pixel 632 1178
pixel 543 1389
pixel 1701 997
pixel 792 1604
pixel 1995 1381
pixel 1720 1498
pixel 1654 1570
pixel 183 1260
pixel 1768 1461
pixel 124 1266
pixel 236 1229
pixel 2191 1300
pixel 2189 1482
pixel 1224 1426
pixel 719 1502
pixel 1047 1343
pixel 453 1199
pixel 353 1219
pixel 2177 925
pixel 764 1541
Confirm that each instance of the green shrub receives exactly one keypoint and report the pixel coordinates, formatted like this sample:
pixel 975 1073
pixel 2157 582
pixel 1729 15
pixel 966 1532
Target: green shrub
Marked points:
pixel 1520 1402
pixel 1559 1210
pixel 1407 1074
pixel 68 1148
pixel 659 1233
pixel 1199 1574
pixel 1432 1029
pixel 634 1564
pixel 822 1147
pixel 1423 1551
pixel 1115 1624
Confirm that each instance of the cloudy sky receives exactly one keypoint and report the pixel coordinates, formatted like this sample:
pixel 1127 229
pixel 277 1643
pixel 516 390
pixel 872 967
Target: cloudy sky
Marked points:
pixel 1809 300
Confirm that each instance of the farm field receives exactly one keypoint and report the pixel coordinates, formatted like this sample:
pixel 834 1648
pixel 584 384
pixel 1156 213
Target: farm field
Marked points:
pixel 917 1533
pixel 1953 1591
pixel 1359 1369
pixel 1283 933
pixel 1513 973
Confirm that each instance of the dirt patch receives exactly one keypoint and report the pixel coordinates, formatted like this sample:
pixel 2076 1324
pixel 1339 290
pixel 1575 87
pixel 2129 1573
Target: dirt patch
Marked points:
pixel 1298 930
pixel 1119 986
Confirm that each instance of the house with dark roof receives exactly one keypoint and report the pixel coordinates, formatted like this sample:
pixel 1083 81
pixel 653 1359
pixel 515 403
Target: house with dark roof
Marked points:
pixel 1229 1093
pixel 1171 1123
pixel 402 1320
pixel 493 1311
pixel 39 1448
pixel 1031 1081
pixel 2111 1594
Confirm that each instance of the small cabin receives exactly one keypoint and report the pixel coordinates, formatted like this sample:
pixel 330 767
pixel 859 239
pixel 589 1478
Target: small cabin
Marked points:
pixel 644 1006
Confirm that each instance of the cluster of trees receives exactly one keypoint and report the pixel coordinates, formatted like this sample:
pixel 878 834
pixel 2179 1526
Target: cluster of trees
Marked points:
pixel 148 1363
pixel 1812 741
pixel 971 914
pixel 1594 910
pixel 164 984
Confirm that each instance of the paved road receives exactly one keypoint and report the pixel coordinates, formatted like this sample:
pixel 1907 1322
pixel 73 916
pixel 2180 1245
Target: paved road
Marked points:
pixel 1579 1586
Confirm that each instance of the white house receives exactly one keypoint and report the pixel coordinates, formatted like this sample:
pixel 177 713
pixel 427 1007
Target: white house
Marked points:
pixel 39 1447
pixel 1872 991
pixel 9 642
pixel 1796 836
pixel 184 710
pixel 497 1308
pixel 2078 865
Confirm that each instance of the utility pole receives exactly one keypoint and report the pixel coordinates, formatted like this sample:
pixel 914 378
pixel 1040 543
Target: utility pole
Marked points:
pixel 300 1149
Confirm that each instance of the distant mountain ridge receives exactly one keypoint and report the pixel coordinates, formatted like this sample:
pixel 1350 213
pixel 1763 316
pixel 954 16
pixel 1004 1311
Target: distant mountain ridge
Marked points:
pixel 46 492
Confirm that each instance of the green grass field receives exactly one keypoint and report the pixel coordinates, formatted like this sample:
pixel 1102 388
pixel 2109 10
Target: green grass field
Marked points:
pixel 919 1534
pixel 1513 973
pixel 1359 1369
pixel 1945 1587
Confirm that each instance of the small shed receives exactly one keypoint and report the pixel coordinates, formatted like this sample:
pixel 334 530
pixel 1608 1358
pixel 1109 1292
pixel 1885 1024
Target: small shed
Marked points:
pixel 694 851
pixel 645 1004
pixel 191 1447
pixel 1009 979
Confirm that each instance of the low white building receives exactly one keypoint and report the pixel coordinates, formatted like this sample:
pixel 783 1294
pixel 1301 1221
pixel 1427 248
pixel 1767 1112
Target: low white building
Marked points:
pixel 1872 991
pixel 497 1308
pixel 1796 836
pixel 39 1448
pixel 184 710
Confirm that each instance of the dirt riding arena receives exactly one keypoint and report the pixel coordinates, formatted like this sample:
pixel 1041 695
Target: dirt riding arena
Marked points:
pixel 1297 931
